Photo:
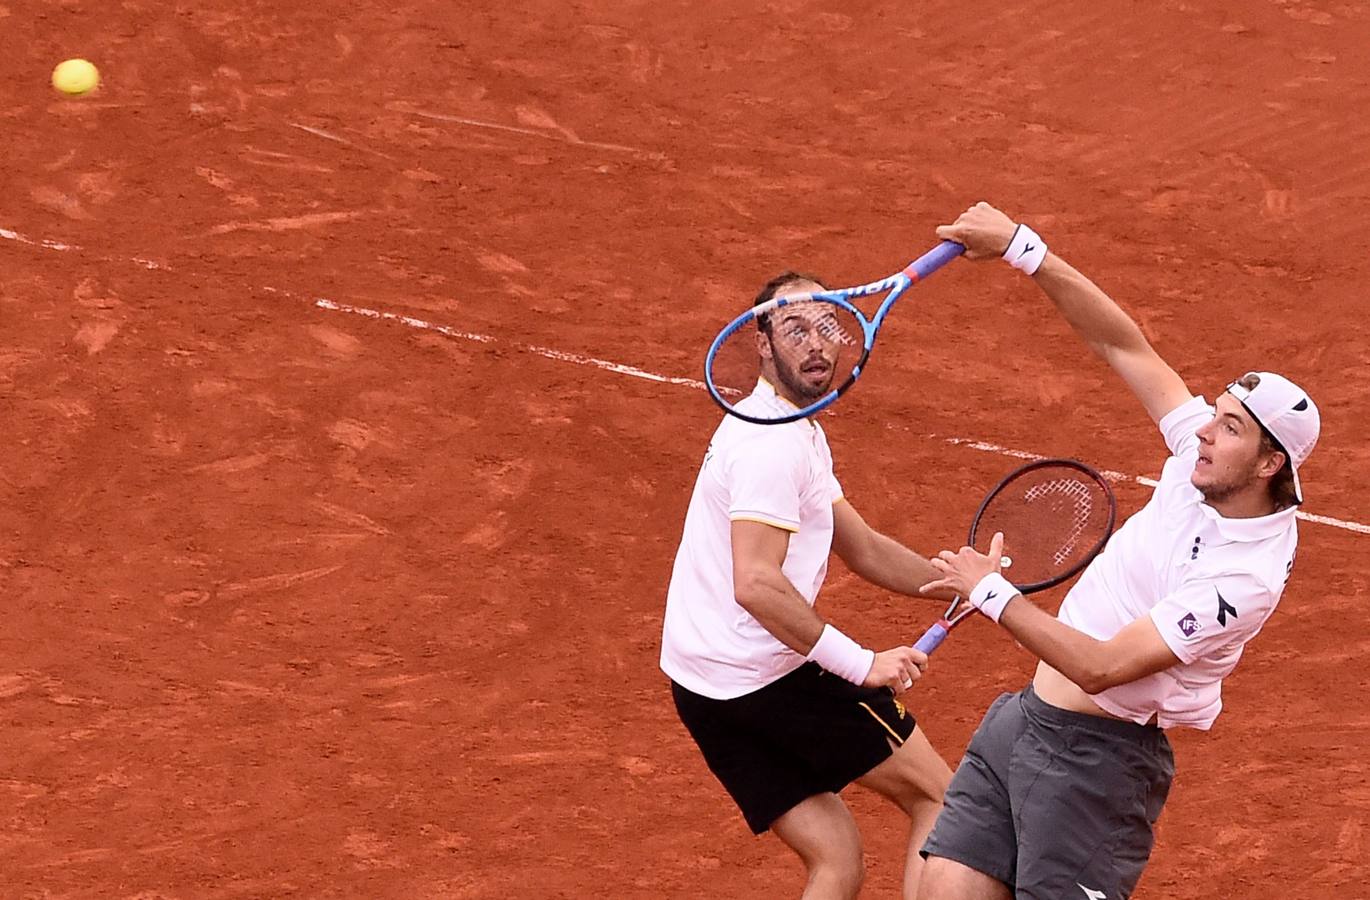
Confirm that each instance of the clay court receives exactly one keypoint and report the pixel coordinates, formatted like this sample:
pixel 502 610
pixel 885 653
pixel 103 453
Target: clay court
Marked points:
pixel 348 426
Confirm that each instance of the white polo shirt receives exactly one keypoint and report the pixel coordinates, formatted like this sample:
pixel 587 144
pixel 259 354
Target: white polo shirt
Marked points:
pixel 777 474
pixel 1208 583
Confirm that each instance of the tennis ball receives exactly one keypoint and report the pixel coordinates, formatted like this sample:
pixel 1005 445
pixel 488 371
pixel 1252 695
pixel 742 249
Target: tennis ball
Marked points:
pixel 75 76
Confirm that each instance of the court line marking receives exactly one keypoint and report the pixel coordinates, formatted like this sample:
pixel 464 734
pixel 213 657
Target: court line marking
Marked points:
pixel 635 372
pixel 617 368
pixel 548 352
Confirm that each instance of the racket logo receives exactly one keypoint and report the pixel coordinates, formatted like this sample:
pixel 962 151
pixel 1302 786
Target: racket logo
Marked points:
pixel 1072 492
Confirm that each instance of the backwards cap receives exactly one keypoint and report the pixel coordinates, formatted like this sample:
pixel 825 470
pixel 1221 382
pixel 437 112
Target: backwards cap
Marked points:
pixel 1287 412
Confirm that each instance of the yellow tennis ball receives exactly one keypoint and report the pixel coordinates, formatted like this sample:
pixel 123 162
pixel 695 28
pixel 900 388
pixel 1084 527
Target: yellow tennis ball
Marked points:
pixel 75 76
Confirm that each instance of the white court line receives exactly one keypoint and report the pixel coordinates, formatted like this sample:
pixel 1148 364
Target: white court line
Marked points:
pixel 486 339
pixel 690 382
pixel 622 369
pixel 1023 454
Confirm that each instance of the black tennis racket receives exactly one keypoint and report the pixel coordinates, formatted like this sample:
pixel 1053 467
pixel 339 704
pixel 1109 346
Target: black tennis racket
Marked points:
pixel 1056 515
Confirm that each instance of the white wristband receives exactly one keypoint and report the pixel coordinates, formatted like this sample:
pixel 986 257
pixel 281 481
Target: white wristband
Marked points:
pixel 842 656
pixel 992 594
pixel 1026 251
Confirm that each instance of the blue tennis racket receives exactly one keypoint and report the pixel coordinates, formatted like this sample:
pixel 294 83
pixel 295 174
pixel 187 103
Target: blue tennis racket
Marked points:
pixel 817 344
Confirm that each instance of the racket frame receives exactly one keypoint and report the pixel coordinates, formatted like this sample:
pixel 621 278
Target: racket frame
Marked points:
pixel 893 287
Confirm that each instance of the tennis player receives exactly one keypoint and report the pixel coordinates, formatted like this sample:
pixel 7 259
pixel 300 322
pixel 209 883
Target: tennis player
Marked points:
pixel 786 709
pixel 1060 788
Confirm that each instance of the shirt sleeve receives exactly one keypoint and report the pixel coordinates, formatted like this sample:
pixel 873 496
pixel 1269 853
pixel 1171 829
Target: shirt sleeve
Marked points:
pixel 1178 426
pixel 764 480
pixel 1208 614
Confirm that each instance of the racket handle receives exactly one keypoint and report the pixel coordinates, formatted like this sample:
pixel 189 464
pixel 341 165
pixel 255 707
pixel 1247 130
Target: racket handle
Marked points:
pixel 934 259
pixel 932 638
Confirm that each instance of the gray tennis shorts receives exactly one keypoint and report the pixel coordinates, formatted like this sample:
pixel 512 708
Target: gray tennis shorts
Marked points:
pixel 1055 803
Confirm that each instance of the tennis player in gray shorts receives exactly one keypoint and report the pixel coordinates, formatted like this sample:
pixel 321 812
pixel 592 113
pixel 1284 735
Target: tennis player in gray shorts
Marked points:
pixel 1060 789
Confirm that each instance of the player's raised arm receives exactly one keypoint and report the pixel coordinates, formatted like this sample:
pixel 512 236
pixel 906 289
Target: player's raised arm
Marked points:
pixel 1099 321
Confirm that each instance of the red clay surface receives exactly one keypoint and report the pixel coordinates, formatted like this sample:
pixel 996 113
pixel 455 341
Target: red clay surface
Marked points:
pixel 302 603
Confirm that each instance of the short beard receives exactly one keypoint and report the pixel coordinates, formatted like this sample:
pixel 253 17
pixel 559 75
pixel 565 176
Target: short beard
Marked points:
pixel 1218 493
pixel 795 384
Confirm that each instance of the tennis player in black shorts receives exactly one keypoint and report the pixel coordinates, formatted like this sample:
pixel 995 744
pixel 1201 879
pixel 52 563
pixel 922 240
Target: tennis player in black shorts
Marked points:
pixel 786 709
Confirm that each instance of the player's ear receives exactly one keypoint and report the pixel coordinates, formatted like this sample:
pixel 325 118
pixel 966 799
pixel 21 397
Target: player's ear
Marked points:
pixel 763 344
pixel 1271 463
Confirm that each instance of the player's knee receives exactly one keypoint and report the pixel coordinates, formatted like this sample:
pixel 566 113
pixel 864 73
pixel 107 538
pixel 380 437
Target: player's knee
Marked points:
pixel 839 878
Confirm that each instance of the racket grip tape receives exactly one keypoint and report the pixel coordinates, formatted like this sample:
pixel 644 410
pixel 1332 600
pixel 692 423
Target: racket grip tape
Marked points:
pixel 932 638
pixel 934 259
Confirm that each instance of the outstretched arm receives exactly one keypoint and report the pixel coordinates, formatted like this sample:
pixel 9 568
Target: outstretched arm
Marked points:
pixel 1094 316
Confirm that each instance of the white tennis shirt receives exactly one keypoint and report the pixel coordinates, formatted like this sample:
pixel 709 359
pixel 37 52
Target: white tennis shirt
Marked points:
pixel 777 474
pixel 1208 583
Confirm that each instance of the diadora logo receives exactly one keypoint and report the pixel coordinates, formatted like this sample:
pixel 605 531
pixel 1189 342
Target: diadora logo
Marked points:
pixel 1189 625
pixel 1225 609
pixel 1091 893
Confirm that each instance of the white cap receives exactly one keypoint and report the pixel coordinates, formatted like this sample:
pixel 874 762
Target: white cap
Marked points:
pixel 1287 412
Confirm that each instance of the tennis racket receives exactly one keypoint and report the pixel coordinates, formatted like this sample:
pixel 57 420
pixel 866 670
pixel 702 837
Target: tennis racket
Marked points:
pixel 1056 515
pixel 820 342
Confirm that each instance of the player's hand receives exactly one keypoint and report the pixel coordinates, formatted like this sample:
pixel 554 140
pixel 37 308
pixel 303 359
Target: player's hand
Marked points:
pixel 962 570
pixel 984 230
pixel 897 669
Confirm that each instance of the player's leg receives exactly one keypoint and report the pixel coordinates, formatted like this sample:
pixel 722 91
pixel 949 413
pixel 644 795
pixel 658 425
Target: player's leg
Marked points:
pixel 824 835
pixel 972 851
pixel 914 778
pixel 947 879
pixel 1088 792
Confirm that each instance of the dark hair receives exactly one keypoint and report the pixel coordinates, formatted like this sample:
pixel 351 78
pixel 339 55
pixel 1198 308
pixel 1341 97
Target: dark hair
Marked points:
pixel 773 288
pixel 1282 482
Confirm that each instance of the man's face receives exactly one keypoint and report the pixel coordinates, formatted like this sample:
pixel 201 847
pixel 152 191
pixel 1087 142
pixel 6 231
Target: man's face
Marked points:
pixel 1230 455
pixel 804 345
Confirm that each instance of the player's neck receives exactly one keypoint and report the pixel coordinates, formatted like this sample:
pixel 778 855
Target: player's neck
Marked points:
pixel 778 385
pixel 1250 503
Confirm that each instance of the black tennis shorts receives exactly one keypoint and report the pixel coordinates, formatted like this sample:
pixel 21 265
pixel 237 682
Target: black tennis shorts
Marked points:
pixel 1055 803
pixel 809 732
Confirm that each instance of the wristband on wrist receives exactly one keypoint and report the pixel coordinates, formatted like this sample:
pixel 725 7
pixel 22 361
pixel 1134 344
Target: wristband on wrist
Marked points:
pixel 1026 250
pixel 992 594
pixel 842 656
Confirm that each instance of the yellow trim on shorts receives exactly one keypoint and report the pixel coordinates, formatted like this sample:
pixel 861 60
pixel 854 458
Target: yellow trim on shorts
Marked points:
pixel 784 526
pixel 893 734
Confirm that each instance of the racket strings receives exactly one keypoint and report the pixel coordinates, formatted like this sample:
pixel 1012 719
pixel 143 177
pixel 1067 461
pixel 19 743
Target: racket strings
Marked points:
pixel 1052 518
pixel 1080 496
